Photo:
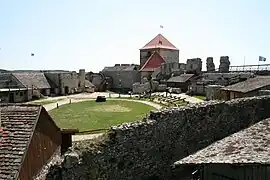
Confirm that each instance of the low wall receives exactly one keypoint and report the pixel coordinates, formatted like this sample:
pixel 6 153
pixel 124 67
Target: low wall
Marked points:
pixel 147 149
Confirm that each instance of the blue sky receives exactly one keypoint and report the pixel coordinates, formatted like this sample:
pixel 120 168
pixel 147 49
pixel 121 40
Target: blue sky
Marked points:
pixel 69 34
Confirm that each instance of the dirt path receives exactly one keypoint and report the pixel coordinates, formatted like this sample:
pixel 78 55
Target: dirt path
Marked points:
pixel 51 106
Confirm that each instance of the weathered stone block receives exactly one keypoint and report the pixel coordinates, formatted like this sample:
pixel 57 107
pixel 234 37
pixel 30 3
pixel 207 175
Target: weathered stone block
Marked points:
pixel 147 149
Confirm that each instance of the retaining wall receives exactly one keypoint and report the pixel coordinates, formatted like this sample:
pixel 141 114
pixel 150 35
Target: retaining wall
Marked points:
pixel 147 149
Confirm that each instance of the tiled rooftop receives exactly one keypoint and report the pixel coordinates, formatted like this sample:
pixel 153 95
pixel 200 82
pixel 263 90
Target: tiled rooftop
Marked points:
pixel 153 62
pixel 251 145
pixel 17 125
pixel 159 42
pixel 250 84
pixel 181 79
pixel 35 79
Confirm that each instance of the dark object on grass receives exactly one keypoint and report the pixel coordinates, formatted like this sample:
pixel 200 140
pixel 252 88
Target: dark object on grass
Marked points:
pixel 101 99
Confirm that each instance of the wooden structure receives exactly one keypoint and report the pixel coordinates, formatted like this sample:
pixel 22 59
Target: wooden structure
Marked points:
pixel 183 81
pixel 29 138
pixel 67 138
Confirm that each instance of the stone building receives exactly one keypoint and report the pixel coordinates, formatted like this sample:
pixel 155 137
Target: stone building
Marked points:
pixel 224 65
pixel 248 88
pixel 24 86
pixel 198 86
pixel 66 82
pixel 153 63
pixel 183 81
pixel 122 76
pixel 161 46
pixel 194 66
pixel 169 68
pixel 14 95
pixel 210 66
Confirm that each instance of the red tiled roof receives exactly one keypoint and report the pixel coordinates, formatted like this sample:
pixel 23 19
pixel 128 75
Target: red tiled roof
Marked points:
pixel 17 125
pixel 159 42
pixel 154 61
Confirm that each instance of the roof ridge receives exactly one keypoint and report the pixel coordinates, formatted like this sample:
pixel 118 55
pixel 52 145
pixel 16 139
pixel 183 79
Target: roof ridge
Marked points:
pixel 20 104
pixel 155 43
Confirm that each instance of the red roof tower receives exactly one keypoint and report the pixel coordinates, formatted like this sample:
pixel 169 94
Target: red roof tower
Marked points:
pixel 159 42
pixel 153 62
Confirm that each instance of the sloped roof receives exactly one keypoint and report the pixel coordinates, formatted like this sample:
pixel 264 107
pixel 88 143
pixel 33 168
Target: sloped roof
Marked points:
pixel 159 42
pixel 120 68
pixel 153 62
pixel 35 79
pixel 250 145
pixel 249 85
pixel 17 126
pixel 88 84
pixel 181 79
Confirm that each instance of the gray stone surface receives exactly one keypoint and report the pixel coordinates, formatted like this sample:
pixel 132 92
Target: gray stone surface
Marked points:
pixel 213 92
pixel 210 66
pixel 224 65
pixel 147 149
pixel 127 74
pixel 194 65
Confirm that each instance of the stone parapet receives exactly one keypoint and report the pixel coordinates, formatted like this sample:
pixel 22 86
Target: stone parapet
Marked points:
pixel 147 149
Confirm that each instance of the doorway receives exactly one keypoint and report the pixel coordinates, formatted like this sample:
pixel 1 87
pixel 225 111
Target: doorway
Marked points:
pixel 11 97
pixel 66 90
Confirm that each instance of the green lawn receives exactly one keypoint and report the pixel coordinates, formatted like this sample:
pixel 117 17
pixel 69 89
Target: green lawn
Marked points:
pixel 200 97
pixel 88 115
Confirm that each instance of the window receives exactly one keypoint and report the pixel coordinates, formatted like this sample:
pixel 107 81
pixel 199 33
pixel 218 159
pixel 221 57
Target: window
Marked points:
pixel 21 93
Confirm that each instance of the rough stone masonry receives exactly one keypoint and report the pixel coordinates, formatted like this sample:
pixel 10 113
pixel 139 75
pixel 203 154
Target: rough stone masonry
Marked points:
pixel 147 149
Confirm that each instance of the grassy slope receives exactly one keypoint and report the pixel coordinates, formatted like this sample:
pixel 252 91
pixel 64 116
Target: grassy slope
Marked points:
pixel 82 115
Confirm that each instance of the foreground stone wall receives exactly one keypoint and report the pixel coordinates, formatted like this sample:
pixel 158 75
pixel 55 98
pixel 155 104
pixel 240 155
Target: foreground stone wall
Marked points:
pixel 147 149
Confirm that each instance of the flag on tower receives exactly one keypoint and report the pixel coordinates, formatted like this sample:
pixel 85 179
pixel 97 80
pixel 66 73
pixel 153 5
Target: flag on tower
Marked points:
pixel 261 58
pixel 161 26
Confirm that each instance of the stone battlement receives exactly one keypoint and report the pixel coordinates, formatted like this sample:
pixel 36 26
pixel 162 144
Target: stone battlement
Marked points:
pixel 147 149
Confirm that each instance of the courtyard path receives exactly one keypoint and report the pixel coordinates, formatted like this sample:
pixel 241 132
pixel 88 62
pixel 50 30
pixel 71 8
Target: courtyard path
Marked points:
pixel 92 96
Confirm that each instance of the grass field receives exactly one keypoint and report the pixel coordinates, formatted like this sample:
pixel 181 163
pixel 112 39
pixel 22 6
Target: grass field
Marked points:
pixel 92 115
pixel 200 97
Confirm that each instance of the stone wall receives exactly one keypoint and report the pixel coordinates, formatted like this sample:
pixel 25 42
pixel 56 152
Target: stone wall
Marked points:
pixel 194 65
pixel 126 77
pixel 147 149
pixel 210 66
pixel 224 65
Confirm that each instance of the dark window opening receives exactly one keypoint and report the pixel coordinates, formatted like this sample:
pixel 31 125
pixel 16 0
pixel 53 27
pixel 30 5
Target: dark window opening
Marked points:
pixel 21 93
